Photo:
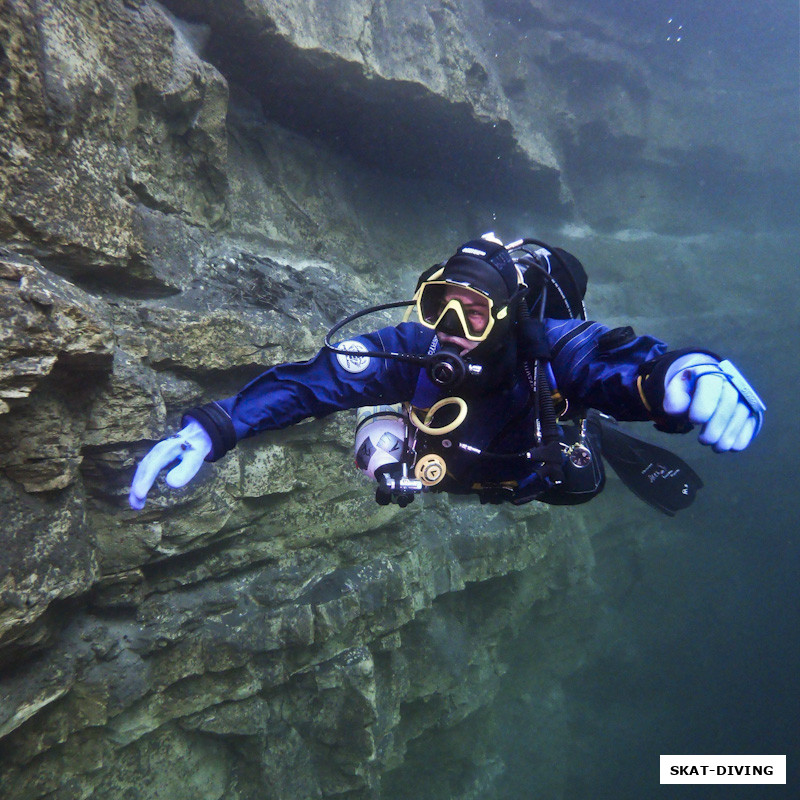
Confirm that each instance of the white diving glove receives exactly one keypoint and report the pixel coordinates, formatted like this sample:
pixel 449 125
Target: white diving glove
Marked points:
pixel 716 395
pixel 189 447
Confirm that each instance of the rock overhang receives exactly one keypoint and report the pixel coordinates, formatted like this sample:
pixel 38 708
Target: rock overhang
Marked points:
pixel 444 118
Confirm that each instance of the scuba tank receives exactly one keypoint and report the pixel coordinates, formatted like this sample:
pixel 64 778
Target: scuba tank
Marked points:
pixel 380 437
pixel 383 448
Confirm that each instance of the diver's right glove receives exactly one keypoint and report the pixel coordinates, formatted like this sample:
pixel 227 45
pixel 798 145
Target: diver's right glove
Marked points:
pixel 717 396
pixel 189 447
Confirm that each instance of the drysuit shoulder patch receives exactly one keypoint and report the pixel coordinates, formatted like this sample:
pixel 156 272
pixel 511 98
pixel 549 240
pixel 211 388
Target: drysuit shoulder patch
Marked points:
pixel 350 361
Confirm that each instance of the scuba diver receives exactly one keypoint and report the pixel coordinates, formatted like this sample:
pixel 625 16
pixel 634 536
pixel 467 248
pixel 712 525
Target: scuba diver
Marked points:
pixel 496 385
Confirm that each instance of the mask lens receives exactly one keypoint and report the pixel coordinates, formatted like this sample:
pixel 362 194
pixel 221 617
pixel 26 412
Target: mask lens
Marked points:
pixel 471 308
pixel 431 303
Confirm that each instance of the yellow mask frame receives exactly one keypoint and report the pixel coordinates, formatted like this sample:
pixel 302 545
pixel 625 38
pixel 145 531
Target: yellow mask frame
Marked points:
pixel 431 320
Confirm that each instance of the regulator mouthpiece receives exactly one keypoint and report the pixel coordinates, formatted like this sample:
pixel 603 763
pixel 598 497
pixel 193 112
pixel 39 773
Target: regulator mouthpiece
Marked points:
pixel 447 369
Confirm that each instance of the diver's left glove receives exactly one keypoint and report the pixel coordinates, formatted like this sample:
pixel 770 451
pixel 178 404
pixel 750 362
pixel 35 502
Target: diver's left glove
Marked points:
pixel 716 395
pixel 189 447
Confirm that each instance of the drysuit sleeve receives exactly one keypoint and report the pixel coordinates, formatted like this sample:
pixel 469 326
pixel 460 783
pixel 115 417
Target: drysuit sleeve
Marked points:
pixel 288 393
pixel 597 367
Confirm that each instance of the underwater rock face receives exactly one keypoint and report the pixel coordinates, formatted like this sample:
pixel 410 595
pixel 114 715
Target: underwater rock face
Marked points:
pixel 108 116
pixel 190 192
pixel 551 105
pixel 408 87
pixel 269 631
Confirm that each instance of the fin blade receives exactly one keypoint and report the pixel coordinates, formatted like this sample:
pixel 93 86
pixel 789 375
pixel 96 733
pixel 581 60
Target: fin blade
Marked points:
pixel 655 475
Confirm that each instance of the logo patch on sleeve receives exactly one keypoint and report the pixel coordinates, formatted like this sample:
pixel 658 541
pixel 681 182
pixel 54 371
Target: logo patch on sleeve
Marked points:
pixel 350 361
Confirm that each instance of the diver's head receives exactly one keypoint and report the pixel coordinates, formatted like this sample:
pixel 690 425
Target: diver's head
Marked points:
pixel 471 301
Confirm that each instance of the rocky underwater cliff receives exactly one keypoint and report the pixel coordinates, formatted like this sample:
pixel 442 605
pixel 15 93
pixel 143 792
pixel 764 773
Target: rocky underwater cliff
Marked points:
pixel 192 191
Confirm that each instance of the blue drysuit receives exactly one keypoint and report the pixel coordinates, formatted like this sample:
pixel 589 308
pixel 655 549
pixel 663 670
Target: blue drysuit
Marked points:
pixel 588 371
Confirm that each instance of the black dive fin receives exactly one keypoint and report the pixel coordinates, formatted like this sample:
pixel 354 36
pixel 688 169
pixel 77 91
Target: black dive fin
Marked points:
pixel 653 474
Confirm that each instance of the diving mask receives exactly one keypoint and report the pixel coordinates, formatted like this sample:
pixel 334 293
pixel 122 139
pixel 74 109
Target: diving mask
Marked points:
pixel 457 309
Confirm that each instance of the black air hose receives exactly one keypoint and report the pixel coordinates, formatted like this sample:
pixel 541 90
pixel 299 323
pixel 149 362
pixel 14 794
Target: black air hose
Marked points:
pixel 534 347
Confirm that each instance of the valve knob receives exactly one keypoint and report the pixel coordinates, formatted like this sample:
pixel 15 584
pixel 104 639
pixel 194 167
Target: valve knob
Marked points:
pixel 430 469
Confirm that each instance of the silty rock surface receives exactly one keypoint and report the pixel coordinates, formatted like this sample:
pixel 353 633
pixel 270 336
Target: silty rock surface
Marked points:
pixel 270 625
